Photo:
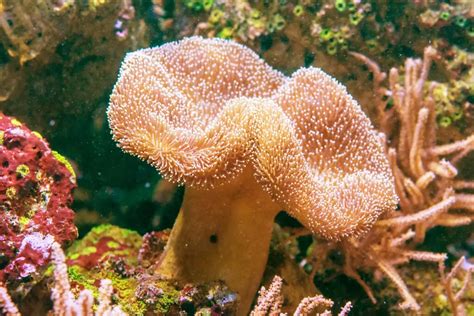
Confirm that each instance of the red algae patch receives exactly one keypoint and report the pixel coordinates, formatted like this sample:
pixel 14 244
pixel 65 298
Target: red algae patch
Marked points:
pixel 36 186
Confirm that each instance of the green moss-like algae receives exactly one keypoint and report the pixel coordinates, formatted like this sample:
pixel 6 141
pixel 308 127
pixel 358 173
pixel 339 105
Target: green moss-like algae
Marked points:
pixel 432 299
pixel 95 258
pixel 110 252
pixel 168 299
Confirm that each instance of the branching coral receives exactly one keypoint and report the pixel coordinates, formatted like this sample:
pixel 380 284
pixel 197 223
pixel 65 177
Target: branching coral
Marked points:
pixel 64 303
pixel 63 298
pixel 270 300
pixel 247 141
pixel 455 299
pixel 425 179
pixel 7 306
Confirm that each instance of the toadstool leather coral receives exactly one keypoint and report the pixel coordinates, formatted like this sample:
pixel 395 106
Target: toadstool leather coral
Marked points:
pixel 247 142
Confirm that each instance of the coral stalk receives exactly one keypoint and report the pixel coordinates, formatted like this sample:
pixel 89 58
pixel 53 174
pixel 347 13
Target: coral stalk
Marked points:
pixel 220 232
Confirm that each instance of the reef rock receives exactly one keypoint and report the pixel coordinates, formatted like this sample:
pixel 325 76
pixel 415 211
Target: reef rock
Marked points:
pixel 36 186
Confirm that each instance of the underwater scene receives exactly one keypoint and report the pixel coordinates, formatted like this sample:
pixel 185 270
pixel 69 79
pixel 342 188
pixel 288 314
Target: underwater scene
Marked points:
pixel 236 157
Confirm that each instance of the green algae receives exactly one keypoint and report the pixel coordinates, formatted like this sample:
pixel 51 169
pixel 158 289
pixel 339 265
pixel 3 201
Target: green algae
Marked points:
pixel 110 252
pixel 65 162
pixel 91 260
pixel 168 299
pixel 432 299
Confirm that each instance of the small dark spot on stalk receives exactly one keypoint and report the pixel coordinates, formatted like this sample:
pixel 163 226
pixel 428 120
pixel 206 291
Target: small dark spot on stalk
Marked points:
pixel 213 238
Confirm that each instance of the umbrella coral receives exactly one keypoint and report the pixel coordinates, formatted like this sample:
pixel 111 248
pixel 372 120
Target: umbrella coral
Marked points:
pixel 247 141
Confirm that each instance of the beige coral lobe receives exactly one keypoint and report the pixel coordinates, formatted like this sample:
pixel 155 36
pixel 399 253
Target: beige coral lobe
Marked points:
pixel 338 181
pixel 169 107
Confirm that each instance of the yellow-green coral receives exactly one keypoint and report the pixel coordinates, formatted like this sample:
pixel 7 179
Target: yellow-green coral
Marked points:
pixel 326 34
pixel 15 122
pixel 23 220
pixel 113 244
pixel 207 4
pixel 449 100
pixel 10 192
pixel 215 16
pixel 106 241
pixel 37 134
pixel 77 274
pixel 169 298
pixel 65 162
pixel 355 18
pixel 87 251
pixel 22 170
pixel 340 5
pixel 277 23
pixel 298 10
pixel 226 32
pixel 94 4
pixel 444 15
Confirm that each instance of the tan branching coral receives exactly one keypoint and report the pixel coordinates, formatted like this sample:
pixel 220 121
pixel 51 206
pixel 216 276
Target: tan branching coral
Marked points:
pixel 425 177
pixel 7 307
pixel 64 303
pixel 270 303
pixel 247 142
pixel 462 266
pixel 63 299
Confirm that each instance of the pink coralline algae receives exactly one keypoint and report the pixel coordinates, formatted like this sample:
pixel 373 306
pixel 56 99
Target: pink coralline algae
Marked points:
pixel 36 186
pixel 153 245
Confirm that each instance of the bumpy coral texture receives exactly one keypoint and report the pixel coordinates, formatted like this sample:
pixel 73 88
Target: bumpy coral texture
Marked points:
pixel 170 108
pixel 335 177
pixel 35 193
pixel 200 110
